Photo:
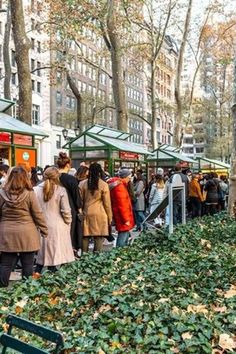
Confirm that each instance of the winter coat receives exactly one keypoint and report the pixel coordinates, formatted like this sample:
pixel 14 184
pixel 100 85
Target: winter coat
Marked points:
pixel 56 249
pixel 156 196
pixel 139 193
pixel 211 188
pixel 21 219
pixel 96 209
pixel 195 190
pixel 121 204
pixel 70 183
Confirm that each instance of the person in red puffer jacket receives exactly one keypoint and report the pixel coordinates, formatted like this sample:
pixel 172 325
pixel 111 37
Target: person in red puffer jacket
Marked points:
pixel 121 206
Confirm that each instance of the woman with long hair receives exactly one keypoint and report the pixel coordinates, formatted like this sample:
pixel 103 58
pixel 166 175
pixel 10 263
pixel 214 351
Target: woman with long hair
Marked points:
pixel 82 173
pixel 71 185
pixel 96 208
pixel 21 220
pixel 156 194
pixel 57 248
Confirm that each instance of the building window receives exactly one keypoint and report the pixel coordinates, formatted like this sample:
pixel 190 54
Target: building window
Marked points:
pixel 38 47
pixel 58 141
pixel 59 98
pixel 0 27
pixel 38 68
pixel 13 58
pixel 59 118
pixel 199 150
pixel 0 52
pixel 32 64
pixel 36 114
pixel 39 87
pixel 13 78
pixel 32 43
pixel 33 85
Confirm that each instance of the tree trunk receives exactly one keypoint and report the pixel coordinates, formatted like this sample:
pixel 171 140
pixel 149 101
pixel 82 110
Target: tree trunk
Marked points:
pixel 154 115
pixel 232 185
pixel 118 84
pixel 177 138
pixel 22 46
pixel 74 89
pixel 6 58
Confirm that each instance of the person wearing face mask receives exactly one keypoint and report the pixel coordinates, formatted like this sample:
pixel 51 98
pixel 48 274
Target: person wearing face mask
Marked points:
pixel 71 185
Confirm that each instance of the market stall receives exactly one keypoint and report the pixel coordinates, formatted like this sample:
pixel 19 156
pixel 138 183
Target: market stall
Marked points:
pixel 17 139
pixel 110 147
pixel 166 156
pixel 208 165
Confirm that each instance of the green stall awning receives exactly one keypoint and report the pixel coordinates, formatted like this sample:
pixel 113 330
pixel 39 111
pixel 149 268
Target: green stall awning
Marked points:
pixel 9 124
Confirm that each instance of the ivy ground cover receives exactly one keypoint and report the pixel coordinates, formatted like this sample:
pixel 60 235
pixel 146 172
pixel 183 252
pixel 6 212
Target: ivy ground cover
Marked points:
pixel 164 294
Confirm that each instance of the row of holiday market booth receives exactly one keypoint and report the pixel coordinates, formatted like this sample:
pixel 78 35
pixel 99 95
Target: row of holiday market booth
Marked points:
pixel 112 149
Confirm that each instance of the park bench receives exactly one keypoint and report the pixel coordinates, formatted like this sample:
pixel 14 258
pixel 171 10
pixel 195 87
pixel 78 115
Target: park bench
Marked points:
pixel 7 340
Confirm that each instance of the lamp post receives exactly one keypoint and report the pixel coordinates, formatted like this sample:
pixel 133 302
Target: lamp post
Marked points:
pixel 65 133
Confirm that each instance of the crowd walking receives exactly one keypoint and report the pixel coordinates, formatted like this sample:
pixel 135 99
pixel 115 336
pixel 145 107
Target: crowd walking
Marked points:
pixel 49 218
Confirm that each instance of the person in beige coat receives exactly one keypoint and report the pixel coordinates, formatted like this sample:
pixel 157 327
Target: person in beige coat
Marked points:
pixel 53 199
pixel 96 208
pixel 21 220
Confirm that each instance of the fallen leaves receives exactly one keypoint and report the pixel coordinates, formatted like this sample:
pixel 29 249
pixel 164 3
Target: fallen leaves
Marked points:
pixel 231 292
pixel 227 342
pixel 197 309
pixel 186 335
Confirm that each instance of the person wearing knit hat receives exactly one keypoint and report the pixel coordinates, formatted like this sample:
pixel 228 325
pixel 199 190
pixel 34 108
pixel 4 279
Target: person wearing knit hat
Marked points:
pixel 121 205
pixel 124 173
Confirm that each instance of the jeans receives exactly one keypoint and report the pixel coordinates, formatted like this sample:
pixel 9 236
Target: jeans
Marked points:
pixel 8 261
pixel 122 239
pixel 139 217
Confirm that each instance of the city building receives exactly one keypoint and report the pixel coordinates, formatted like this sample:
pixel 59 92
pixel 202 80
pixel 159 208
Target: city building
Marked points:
pixel 55 107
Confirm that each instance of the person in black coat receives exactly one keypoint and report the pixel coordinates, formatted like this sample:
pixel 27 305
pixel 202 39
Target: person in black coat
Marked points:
pixel 71 185
pixel 212 197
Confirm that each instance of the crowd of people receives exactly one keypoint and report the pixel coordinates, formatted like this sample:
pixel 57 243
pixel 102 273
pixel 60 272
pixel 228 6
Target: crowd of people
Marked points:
pixel 48 218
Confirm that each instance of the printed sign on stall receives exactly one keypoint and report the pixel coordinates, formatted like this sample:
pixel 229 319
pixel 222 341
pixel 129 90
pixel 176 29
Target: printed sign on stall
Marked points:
pixel 125 155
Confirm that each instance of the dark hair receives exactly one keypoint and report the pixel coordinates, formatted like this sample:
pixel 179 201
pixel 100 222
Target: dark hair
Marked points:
pixel 95 172
pixel 34 177
pixel 82 173
pixel 4 168
pixel 17 181
pixel 63 160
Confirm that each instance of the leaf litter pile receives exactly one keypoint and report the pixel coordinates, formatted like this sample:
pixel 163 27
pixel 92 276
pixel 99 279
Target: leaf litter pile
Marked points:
pixel 164 294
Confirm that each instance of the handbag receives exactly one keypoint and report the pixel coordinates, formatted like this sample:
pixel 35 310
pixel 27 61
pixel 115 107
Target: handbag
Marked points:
pixel 110 238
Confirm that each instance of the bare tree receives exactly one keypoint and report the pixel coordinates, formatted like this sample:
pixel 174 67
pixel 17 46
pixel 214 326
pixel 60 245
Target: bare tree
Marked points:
pixel 113 43
pixel 6 55
pixel 179 109
pixel 22 46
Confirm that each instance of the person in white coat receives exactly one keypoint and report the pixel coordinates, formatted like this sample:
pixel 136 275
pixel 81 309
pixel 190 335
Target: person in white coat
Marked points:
pixel 156 194
pixel 53 199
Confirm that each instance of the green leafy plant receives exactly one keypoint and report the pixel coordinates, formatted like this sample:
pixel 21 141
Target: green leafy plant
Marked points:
pixel 164 294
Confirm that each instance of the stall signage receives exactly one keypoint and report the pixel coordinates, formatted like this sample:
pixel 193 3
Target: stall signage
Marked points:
pixel 125 155
pixel 20 139
pixel 5 137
